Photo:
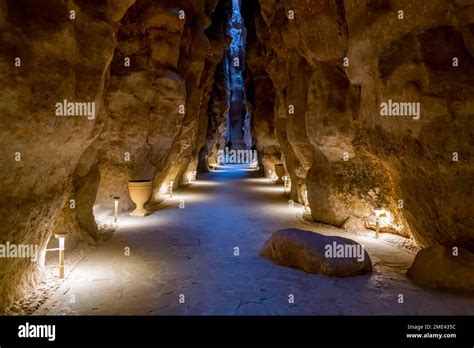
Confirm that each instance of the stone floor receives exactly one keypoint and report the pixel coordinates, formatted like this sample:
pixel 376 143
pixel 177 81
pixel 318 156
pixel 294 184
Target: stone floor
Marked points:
pixel 182 261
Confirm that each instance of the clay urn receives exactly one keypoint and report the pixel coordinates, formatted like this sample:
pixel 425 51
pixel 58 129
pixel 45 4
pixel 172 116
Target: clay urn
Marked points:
pixel 279 172
pixel 140 192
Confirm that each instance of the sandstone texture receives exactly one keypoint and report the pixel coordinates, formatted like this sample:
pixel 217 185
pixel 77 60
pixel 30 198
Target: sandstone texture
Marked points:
pixel 331 65
pixel 157 107
pixel 308 251
pixel 149 68
pixel 46 58
pixel 444 268
pixel 218 110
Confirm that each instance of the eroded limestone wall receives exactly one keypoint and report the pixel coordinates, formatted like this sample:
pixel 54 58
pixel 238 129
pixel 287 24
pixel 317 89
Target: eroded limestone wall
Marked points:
pixel 158 104
pixel 334 63
pixel 260 95
pixel 48 54
pixel 148 67
pixel 218 109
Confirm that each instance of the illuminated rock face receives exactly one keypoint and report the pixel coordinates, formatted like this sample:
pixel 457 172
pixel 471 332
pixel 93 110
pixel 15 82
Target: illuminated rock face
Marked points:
pixel 335 68
pixel 218 109
pixel 260 96
pixel 157 106
pixel 139 63
pixel 47 58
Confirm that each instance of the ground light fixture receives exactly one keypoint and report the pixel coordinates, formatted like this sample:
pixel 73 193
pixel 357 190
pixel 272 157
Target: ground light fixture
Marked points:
pixel 270 174
pixel 116 205
pixel 171 188
pixel 285 183
pixel 194 175
pixel 61 236
pixel 379 214
pixel 306 209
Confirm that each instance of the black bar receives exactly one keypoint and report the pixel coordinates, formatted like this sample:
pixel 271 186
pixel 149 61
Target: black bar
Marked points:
pixel 289 330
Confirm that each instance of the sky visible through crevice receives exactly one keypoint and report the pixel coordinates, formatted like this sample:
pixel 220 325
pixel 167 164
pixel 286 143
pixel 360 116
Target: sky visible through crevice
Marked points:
pixel 237 48
pixel 234 64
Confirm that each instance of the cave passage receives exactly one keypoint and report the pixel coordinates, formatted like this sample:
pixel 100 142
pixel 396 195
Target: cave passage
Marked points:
pixel 208 252
pixel 347 118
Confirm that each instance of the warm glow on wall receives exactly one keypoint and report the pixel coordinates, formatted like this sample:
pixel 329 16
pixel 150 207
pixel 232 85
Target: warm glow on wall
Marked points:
pixel 383 218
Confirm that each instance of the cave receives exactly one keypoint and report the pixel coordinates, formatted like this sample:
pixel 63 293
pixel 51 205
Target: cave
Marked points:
pixel 237 157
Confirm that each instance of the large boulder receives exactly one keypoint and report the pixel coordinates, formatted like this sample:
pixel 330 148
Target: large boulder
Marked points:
pixel 314 253
pixel 444 268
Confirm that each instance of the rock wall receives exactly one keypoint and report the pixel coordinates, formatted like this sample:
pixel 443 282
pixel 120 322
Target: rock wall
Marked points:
pixel 218 109
pixel 158 105
pixel 49 54
pixel 148 67
pixel 260 96
pixel 332 65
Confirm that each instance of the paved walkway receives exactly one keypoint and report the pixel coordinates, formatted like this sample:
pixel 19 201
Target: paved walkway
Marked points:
pixel 182 262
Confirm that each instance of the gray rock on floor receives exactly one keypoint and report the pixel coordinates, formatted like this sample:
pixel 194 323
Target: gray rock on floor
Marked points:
pixel 315 253
pixel 437 267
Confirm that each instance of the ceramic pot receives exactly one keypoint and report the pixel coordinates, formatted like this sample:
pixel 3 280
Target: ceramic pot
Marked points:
pixel 140 192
